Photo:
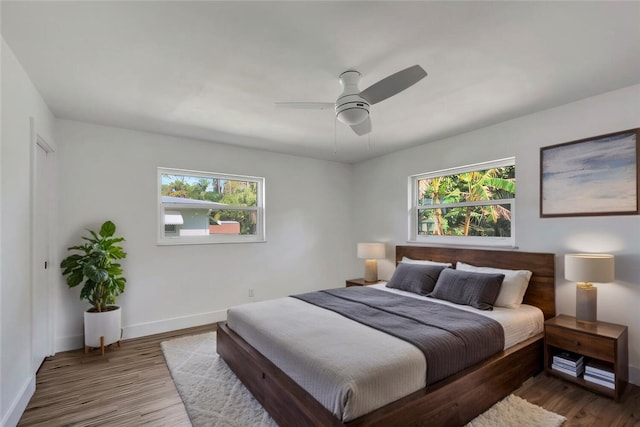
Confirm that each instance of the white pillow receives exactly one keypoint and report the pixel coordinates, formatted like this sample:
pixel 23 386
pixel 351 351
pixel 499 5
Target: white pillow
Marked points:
pixel 513 287
pixel 406 260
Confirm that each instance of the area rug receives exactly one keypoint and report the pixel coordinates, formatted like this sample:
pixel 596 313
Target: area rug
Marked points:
pixel 214 397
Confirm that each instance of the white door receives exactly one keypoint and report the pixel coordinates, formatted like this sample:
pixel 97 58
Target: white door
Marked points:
pixel 41 333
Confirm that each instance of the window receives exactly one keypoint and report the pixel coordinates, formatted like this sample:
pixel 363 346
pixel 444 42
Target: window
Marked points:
pixel 203 207
pixel 473 204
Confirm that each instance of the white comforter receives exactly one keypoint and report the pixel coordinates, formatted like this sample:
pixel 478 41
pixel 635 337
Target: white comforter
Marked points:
pixel 350 368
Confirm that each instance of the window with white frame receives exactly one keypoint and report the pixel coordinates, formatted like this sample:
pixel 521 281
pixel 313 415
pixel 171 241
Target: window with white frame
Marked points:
pixel 470 205
pixel 204 207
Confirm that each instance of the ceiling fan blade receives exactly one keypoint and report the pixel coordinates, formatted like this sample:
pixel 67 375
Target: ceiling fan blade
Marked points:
pixel 362 128
pixel 306 105
pixel 393 84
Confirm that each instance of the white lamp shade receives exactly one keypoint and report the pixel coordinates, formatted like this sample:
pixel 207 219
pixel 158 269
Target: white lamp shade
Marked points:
pixel 589 268
pixel 371 250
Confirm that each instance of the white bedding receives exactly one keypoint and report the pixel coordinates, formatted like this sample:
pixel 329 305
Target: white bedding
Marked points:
pixel 350 368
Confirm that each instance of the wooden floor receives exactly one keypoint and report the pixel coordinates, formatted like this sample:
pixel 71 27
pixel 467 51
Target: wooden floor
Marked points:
pixel 580 406
pixel 131 386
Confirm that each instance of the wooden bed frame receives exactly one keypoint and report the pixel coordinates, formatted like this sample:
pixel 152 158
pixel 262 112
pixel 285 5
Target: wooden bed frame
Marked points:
pixel 453 401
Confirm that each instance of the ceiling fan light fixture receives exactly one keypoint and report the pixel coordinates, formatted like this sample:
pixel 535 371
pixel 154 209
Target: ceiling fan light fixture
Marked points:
pixel 353 116
pixel 351 109
pixel 352 106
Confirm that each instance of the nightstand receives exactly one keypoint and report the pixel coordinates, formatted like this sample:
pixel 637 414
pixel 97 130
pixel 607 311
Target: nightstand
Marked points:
pixel 360 282
pixel 605 344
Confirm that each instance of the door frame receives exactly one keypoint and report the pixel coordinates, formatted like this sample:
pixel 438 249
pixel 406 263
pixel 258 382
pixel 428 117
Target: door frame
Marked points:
pixel 39 142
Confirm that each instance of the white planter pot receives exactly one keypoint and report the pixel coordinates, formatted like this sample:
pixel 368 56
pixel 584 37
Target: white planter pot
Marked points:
pixel 107 324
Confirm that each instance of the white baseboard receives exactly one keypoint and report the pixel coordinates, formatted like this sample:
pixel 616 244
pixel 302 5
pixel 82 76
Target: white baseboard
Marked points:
pixel 72 342
pixel 19 404
pixel 149 328
pixel 160 326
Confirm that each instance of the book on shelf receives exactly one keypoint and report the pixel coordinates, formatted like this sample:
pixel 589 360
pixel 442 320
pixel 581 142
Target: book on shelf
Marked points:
pixel 600 370
pixel 568 358
pixel 607 377
pixel 601 377
pixel 597 380
pixel 562 364
pixel 574 372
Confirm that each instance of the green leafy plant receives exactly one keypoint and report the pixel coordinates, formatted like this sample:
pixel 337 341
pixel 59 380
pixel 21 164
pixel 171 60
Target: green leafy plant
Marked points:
pixel 96 267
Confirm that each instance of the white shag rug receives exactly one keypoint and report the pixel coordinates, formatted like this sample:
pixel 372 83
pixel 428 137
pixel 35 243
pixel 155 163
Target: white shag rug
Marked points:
pixel 515 411
pixel 214 397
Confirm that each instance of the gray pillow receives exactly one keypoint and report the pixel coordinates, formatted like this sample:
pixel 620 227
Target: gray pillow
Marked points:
pixel 478 290
pixel 416 278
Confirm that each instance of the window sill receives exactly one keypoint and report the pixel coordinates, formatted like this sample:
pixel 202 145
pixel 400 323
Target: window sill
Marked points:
pixel 467 244
pixel 181 242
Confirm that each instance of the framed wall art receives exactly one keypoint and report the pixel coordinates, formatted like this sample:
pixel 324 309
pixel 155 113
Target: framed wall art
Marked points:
pixel 592 176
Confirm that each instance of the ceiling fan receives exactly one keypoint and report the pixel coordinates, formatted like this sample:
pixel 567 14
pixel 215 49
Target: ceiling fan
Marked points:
pixel 352 106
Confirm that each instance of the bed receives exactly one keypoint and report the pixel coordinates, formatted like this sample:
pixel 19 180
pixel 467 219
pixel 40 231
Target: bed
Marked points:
pixel 453 400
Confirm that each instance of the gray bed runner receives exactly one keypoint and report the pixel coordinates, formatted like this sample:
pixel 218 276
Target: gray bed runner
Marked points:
pixel 451 339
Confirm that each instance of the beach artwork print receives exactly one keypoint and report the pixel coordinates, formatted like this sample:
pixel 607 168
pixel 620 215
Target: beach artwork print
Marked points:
pixel 595 176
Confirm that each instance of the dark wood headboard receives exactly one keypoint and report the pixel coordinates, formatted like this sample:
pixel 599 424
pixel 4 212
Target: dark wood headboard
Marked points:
pixel 541 291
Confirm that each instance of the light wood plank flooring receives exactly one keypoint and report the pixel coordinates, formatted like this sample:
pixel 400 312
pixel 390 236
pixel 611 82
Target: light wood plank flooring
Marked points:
pixel 131 386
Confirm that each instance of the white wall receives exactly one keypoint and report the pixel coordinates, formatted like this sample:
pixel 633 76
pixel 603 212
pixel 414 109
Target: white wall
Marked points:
pixel 316 212
pixel 109 173
pixel 381 199
pixel 20 102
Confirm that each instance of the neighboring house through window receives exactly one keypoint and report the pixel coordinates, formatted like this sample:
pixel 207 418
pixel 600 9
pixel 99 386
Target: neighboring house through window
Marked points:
pixel 473 205
pixel 205 207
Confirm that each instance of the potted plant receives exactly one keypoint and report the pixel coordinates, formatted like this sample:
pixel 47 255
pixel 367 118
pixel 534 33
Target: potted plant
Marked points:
pixel 94 265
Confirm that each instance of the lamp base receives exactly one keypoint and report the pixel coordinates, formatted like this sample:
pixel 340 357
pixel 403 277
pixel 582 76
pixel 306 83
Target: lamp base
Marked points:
pixel 586 303
pixel 371 271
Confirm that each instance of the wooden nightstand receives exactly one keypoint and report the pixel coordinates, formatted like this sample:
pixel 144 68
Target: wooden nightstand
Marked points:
pixel 601 342
pixel 360 282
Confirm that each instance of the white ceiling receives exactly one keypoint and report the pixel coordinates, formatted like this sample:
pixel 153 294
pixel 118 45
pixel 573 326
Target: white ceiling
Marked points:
pixel 213 70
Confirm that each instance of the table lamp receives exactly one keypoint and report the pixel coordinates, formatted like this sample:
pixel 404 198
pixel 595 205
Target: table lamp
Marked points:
pixel 370 252
pixel 585 269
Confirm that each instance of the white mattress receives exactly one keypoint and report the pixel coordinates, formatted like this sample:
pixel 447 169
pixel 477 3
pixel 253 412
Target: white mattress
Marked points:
pixel 350 368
